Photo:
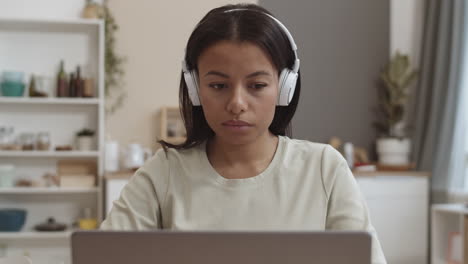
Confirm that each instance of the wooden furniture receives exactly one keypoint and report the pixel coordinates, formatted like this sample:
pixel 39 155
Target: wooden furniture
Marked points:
pixel 398 205
pixel 171 127
pixel 448 219
pixel 37 47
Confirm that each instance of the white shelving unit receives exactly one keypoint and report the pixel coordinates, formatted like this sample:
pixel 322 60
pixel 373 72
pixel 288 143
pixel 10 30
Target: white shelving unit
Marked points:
pixel 448 219
pixel 37 47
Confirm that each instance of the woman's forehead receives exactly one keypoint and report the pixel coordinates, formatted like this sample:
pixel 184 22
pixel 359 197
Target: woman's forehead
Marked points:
pixel 229 55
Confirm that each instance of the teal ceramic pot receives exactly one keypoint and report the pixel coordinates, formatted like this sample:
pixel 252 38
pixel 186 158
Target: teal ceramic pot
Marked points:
pixel 12 220
pixel 12 89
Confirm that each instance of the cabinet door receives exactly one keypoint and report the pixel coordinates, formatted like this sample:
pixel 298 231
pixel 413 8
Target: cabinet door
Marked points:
pixel 113 189
pixel 398 207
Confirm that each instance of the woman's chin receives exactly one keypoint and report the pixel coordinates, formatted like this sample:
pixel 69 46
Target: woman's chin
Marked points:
pixel 238 138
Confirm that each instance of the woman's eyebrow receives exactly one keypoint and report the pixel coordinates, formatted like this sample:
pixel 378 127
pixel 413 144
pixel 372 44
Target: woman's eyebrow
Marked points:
pixel 217 73
pixel 254 74
pixel 257 73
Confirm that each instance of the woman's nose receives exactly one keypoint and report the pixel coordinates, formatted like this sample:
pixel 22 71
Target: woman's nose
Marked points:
pixel 237 102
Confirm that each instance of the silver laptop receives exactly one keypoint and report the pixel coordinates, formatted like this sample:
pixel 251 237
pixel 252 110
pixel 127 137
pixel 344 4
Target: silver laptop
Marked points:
pixel 175 247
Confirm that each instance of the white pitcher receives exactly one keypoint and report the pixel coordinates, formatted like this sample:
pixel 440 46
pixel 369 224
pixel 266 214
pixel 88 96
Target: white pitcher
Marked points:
pixel 111 162
pixel 135 156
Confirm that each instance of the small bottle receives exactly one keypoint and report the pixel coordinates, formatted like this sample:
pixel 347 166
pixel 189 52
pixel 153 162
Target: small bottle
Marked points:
pixel 88 82
pixel 72 86
pixel 78 83
pixel 88 88
pixel 32 86
pixel 348 150
pixel 62 81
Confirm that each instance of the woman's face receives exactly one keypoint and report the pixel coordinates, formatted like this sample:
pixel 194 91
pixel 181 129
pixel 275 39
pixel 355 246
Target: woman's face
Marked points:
pixel 238 90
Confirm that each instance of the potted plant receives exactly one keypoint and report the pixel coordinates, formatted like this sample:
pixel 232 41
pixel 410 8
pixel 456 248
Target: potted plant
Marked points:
pixel 92 10
pixel 85 139
pixel 393 145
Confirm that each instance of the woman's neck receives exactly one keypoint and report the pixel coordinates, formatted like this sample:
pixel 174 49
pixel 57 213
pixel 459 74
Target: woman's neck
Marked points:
pixel 250 158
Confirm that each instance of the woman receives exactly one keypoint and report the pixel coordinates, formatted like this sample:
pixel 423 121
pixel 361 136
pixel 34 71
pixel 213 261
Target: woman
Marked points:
pixel 238 170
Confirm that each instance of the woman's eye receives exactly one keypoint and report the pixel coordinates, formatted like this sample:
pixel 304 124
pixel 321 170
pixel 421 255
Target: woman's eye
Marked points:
pixel 217 86
pixel 258 86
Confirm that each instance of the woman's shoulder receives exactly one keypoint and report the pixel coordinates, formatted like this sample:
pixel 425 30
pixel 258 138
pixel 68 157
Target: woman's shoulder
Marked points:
pixel 310 147
pixel 310 151
pixel 303 145
pixel 172 155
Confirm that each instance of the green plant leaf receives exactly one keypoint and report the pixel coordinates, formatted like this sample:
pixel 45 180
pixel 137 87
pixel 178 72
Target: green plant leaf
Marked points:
pixel 114 65
pixel 393 91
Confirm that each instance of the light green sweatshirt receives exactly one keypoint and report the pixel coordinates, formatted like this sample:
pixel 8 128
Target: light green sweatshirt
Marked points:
pixel 307 186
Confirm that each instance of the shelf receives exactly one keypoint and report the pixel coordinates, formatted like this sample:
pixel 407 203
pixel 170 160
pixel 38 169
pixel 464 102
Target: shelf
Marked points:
pixel 35 235
pixel 46 190
pixel 72 21
pixel 49 154
pixel 49 24
pixel 451 208
pixel 49 101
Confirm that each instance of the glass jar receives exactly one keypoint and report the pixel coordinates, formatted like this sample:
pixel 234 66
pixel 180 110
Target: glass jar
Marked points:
pixel 27 141
pixel 7 174
pixel 44 85
pixel 6 138
pixel 43 141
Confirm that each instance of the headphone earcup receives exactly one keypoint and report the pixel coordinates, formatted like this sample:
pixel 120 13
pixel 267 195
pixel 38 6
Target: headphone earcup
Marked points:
pixel 287 85
pixel 191 81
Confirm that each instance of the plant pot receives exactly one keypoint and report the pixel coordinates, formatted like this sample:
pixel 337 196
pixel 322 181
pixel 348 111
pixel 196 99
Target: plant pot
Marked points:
pixel 394 151
pixel 12 89
pixel 85 143
pixel 92 11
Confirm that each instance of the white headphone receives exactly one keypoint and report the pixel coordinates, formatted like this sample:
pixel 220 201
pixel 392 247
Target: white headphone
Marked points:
pixel 287 79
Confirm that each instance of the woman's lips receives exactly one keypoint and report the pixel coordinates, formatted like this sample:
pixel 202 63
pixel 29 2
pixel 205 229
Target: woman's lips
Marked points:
pixel 237 125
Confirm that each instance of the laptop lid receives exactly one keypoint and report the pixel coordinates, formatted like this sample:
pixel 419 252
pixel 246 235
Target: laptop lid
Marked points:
pixel 176 247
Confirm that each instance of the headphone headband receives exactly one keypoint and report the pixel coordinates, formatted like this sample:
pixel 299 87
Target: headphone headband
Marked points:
pixel 283 27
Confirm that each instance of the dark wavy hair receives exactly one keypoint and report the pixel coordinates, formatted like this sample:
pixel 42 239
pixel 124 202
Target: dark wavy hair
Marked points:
pixel 249 25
